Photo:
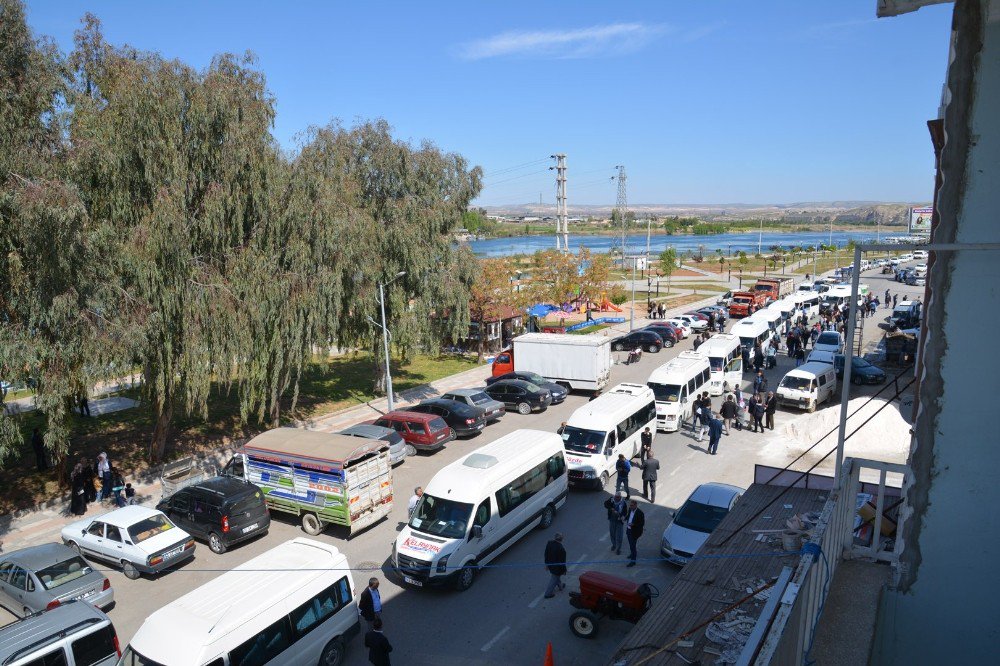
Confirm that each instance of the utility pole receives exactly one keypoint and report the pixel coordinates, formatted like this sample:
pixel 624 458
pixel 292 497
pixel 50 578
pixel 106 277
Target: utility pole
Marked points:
pixel 622 207
pixel 760 237
pixel 562 217
pixel 648 223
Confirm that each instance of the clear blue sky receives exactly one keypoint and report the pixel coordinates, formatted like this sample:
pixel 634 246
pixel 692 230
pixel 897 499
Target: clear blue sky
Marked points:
pixel 703 102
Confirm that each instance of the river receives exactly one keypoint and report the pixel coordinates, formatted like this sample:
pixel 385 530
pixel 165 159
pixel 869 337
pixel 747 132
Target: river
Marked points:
pixel 728 243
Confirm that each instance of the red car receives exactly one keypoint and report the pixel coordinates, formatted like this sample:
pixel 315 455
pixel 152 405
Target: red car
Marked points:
pixel 425 432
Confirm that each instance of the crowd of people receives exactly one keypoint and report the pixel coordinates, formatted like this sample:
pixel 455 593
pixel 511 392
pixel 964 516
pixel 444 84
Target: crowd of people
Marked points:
pixel 98 482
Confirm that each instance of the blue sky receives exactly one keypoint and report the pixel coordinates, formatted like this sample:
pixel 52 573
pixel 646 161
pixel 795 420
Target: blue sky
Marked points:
pixel 703 102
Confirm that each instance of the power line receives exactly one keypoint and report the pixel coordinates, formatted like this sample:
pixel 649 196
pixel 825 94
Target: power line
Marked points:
pixel 517 167
pixel 523 175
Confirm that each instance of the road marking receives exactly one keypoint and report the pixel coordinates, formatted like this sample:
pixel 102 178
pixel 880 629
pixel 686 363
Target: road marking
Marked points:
pixel 675 471
pixel 486 648
pixel 605 537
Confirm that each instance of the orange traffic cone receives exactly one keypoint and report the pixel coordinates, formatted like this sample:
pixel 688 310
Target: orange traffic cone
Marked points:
pixel 549 661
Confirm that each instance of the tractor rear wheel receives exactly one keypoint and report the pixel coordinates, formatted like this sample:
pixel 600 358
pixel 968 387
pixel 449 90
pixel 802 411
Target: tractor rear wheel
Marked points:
pixel 583 624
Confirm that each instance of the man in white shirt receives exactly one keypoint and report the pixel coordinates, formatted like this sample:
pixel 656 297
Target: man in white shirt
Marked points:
pixel 417 493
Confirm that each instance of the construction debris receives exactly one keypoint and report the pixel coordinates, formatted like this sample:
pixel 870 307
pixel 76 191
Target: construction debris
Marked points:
pixel 732 633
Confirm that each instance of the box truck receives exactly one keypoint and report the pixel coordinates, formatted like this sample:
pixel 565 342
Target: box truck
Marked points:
pixel 578 362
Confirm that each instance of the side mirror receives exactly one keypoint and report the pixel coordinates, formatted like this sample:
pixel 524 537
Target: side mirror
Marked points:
pixel 477 531
pixel 83 532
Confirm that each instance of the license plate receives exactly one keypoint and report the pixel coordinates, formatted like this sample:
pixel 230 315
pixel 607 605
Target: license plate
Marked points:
pixel 413 581
pixel 173 553
pixel 85 595
pixel 250 528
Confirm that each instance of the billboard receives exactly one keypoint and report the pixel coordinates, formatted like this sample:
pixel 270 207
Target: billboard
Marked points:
pixel 920 220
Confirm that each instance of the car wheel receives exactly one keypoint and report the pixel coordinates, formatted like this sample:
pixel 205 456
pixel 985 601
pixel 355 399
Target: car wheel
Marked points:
pixel 410 450
pixel 311 524
pixel 652 349
pixel 523 408
pixel 25 612
pixel 603 480
pixel 668 343
pixel 812 406
pixel 548 515
pixel 619 347
pixel 583 624
pixel 465 577
pixel 856 379
pixel 130 570
pixel 75 546
pixel 333 653
pixel 216 544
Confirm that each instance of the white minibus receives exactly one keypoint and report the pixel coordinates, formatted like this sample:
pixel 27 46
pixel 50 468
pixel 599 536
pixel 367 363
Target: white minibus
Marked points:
pixel 480 505
pixel 807 299
pixel 725 361
pixel 674 386
pixel 604 427
pixel 769 316
pixel 808 386
pixel 293 604
pixel 751 332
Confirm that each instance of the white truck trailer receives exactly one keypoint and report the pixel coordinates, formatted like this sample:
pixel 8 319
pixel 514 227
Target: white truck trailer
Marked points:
pixel 579 362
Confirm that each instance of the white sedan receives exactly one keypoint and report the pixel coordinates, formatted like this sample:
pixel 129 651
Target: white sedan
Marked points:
pixel 140 539
pixel 697 518
pixel 681 324
pixel 694 323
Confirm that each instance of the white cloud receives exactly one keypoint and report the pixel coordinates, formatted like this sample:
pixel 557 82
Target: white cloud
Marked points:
pixel 611 39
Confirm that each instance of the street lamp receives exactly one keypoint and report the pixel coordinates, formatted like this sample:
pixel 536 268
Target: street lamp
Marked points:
pixel 385 336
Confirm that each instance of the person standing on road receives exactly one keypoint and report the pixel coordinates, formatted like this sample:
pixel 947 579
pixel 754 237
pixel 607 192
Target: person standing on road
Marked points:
pixel 649 469
pixel 38 444
pixel 555 562
pixel 623 467
pixel 370 604
pixel 617 509
pixel 417 494
pixel 646 444
pixel 103 469
pixel 887 297
pixel 752 411
pixel 758 413
pixel 895 298
pixel 661 310
pixel 759 382
pixel 703 407
pixel 714 433
pixel 378 645
pixel 758 357
pixel 728 412
pixel 770 405
pixel 635 521
pixel 746 358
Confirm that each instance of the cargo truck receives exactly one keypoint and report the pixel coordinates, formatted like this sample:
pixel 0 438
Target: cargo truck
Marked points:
pixel 775 288
pixel 745 303
pixel 321 477
pixel 578 362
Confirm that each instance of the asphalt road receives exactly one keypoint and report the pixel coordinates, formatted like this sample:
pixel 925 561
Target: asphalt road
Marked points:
pixel 503 618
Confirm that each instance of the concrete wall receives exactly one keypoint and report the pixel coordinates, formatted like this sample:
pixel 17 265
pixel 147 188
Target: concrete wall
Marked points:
pixel 946 606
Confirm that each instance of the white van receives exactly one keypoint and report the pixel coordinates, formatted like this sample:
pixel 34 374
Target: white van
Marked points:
pixel 752 331
pixel 725 361
pixel 674 385
pixel 771 317
pixel 808 386
pixel 293 604
pixel 480 505
pixel 807 299
pixel 604 427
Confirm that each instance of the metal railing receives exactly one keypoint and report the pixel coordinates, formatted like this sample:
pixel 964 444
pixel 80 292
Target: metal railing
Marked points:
pixel 793 622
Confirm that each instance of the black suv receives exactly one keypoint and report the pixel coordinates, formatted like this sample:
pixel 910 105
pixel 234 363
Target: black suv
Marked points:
pixel 221 511
pixel 666 334
pixel 646 340
pixel 518 394
pixel 464 419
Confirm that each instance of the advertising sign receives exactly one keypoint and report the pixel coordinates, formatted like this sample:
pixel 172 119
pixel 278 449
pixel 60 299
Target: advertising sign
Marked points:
pixel 920 220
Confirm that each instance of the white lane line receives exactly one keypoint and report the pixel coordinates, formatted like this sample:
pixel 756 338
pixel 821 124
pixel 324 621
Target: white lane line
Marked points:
pixel 605 537
pixel 537 600
pixel 583 558
pixel 493 640
pixel 674 472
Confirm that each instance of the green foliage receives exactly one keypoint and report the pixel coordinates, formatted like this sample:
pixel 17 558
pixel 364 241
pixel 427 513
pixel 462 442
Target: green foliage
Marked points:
pixel 618 295
pixel 668 261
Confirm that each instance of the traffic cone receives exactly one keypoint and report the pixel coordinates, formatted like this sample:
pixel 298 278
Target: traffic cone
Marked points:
pixel 549 661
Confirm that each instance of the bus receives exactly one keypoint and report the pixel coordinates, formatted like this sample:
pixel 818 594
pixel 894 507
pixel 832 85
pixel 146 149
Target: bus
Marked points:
pixel 603 428
pixel 675 385
pixel 771 317
pixel 724 360
pixel 751 332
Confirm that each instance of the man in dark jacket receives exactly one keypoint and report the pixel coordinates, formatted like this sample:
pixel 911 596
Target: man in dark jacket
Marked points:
pixel 650 466
pixel 728 412
pixel 770 405
pixel 555 562
pixel 378 645
pixel 622 467
pixel 617 508
pixel 746 359
pixel 646 444
pixel 370 604
pixel 635 521
pixel 714 433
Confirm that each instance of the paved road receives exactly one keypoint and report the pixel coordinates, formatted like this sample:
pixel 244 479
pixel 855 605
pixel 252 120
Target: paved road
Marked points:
pixel 503 618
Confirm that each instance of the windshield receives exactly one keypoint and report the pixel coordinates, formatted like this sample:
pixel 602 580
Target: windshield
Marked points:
pixel 796 383
pixel 666 392
pixel 700 517
pixel 133 658
pixel 437 424
pixel 64 572
pixel 537 380
pixel 763 287
pixel 741 299
pixel 828 338
pixel 716 362
pixel 582 441
pixel 860 363
pixel 441 517
pixel 480 399
pixel 149 527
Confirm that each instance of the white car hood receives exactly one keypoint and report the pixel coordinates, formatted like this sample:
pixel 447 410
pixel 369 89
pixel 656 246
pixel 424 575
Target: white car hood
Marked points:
pixel 682 538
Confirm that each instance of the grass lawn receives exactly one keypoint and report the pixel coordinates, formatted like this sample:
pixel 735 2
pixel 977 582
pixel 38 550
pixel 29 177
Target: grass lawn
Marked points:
pixel 590 329
pixel 327 385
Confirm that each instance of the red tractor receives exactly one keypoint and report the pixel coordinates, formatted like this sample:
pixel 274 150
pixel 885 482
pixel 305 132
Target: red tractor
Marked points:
pixel 604 595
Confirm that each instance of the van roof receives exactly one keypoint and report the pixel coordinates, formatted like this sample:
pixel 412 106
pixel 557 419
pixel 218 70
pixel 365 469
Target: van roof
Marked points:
pixel 563 339
pixel 810 369
pixel 719 343
pixel 766 315
pixel 751 327
pixel 606 411
pixel 45 627
pixel 312 448
pixel 683 364
pixel 208 613
pixel 490 464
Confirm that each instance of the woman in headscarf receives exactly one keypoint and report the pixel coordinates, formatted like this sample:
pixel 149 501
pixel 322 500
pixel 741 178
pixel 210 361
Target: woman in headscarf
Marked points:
pixel 78 497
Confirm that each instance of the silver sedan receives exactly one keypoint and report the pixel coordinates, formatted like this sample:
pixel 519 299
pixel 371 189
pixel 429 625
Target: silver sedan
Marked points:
pixel 40 577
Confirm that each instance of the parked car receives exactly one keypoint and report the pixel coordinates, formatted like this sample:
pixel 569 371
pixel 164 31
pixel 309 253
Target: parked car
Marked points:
pixel 830 341
pixel 518 394
pixel 425 432
pixel 694 323
pixel 73 633
pixel 681 325
pixel 862 372
pixel 558 391
pixel 646 340
pixel 140 539
pixel 697 315
pixel 463 419
pixel 33 579
pixel 398 448
pixel 221 511
pixel 694 522
pixel 478 398
pixel 668 334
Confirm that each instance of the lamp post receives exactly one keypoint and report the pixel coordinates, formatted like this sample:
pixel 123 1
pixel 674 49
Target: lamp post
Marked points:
pixel 631 317
pixel 760 236
pixel 385 336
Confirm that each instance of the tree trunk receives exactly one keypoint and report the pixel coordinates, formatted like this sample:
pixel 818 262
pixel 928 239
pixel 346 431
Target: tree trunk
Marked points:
pixel 158 445
pixel 480 343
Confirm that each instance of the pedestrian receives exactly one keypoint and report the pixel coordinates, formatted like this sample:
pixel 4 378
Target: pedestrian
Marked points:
pixel 103 470
pixel 746 358
pixel 650 466
pixel 84 405
pixel 800 355
pixel 728 412
pixel 370 604
pixel 117 486
pixel 804 337
pixel 378 645
pixel 714 434
pixel 758 357
pixel 697 343
pixel 88 481
pixel 772 354
pixel 759 382
pixel 562 427
pixel 78 497
pixel 555 562
pixel 623 467
pixel 617 510
pixel 417 494
pixel 757 412
pixel 887 297
pixel 702 407
pixel 790 343
pixel 38 444
pixel 661 310
pixel 770 405
pixel 635 521
pixel 646 444
pixel 129 494
pixel 813 334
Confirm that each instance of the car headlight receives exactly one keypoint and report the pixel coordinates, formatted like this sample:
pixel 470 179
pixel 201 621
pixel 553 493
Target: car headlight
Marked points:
pixel 589 475
pixel 442 565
